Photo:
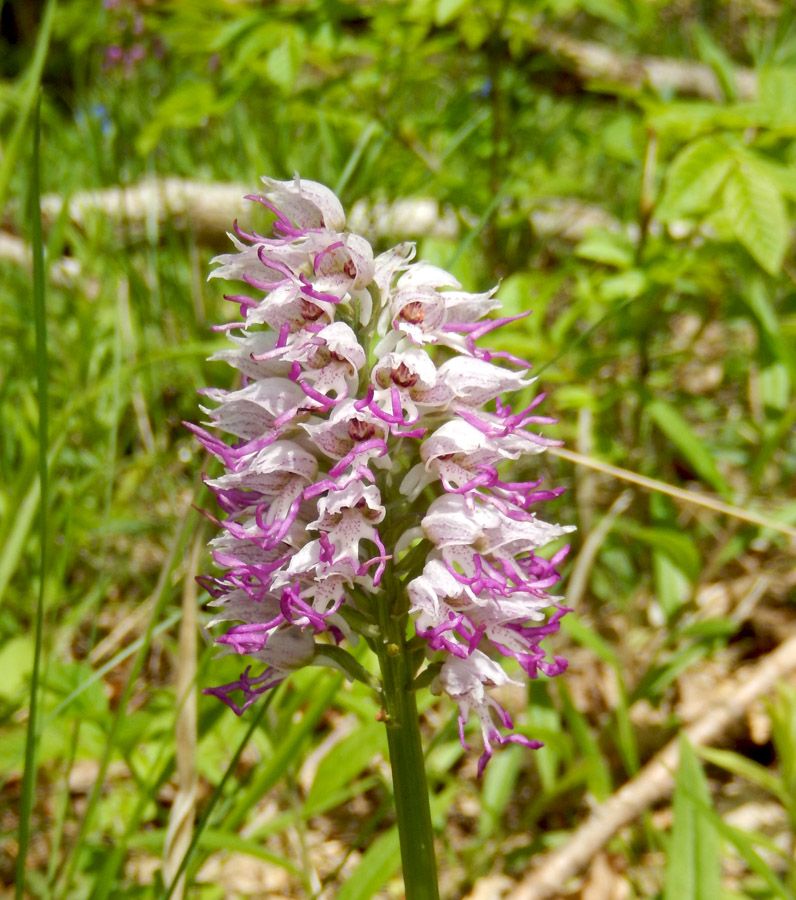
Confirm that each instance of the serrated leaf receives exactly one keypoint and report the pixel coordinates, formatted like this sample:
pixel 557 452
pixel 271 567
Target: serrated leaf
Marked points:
pixel 680 433
pixel 693 869
pixel 694 178
pixel 784 177
pixel 755 207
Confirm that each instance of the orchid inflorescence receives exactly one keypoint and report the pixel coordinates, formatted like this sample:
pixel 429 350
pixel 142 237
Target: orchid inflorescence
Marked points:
pixel 365 467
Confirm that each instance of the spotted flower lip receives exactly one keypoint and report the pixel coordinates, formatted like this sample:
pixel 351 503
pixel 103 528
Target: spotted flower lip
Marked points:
pixel 370 437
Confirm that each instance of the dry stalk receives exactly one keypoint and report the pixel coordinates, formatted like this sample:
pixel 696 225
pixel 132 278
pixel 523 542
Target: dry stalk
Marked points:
pixel 181 815
pixel 652 484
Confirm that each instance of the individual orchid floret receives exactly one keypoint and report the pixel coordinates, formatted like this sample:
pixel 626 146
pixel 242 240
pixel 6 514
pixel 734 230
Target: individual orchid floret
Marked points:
pixel 374 471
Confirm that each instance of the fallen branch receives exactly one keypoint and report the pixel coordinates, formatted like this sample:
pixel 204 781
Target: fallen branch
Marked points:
pixel 655 781
pixel 596 62
pixel 140 210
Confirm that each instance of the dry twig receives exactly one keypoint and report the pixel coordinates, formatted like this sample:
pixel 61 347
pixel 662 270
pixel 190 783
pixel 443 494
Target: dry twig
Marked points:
pixel 656 780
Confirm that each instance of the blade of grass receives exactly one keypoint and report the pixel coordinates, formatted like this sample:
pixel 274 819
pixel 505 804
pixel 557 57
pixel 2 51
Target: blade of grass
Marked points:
pixel 161 594
pixel 470 237
pixel 30 90
pixel 39 318
pixel 354 158
pixel 217 794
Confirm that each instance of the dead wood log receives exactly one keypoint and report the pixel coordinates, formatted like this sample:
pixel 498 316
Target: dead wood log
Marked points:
pixel 595 62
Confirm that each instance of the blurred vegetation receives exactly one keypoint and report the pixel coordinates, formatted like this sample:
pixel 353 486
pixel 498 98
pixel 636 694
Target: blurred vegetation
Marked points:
pixel 664 333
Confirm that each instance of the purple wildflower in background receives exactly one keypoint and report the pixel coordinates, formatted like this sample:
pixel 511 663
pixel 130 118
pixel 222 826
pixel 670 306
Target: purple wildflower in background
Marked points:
pixel 369 442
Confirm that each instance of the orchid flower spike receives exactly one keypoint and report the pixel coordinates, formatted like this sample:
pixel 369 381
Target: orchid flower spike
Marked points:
pixel 369 447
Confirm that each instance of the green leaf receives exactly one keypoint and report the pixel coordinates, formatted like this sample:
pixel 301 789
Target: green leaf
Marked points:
pixel 744 767
pixel 777 95
pixel 447 10
pixel 711 52
pixel 672 589
pixel 754 206
pixel 16 663
pixel 187 106
pixel 759 301
pixel 678 547
pixel 694 177
pixel 693 870
pixel 500 785
pixel 680 433
pixel 347 761
pixel 783 176
pixel 598 776
pixel 607 247
pixel 380 862
pixel 625 286
pixel 282 63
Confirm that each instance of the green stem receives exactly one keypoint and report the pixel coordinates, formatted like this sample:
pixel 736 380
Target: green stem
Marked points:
pixel 406 752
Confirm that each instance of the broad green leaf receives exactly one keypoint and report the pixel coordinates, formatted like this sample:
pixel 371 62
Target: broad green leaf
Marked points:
pixel 282 63
pixel 598 777
pixel 544 718
pixel 777 92
pixel 680 433
pixel 757 297
pixel 625 286
pixel 500 785
pixel 381 860
pixel 784 177
pixel 347 760
pixel 672 589
pixel 187 106
pixel 755 207
pixel 693 869
pixel 606 247
pixel 775 386
pixel 694 177
pixel 446 10
pixel 678 547
pixel 16 663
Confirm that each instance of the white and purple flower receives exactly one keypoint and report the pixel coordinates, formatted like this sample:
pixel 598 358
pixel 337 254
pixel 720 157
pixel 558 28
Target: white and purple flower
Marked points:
pixel 368 432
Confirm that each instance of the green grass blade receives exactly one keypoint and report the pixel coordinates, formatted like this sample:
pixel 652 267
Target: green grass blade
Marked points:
pixel 382 859
pixel 693 870
pixel 31 82
pixel 217 794
pixel 39 318
pixel 680 433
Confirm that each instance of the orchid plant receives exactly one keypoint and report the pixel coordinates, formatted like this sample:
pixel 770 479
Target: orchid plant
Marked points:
pixel 364 491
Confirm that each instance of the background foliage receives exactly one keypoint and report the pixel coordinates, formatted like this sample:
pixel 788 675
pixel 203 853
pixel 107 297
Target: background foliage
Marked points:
pixel 647 224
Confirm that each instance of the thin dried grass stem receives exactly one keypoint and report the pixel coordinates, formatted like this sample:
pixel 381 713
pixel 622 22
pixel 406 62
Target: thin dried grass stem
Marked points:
pixel 652 484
